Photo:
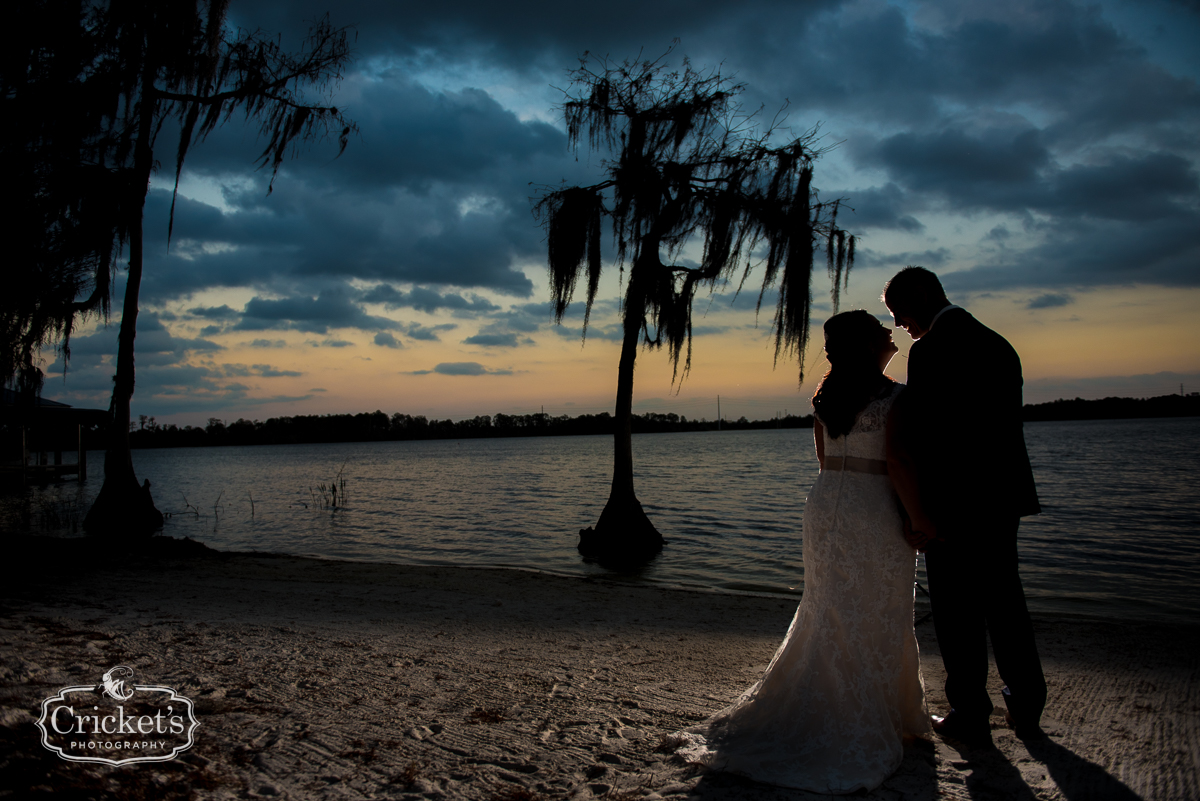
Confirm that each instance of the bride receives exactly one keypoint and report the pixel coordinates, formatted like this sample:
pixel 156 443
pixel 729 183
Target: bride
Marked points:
pixel 844 689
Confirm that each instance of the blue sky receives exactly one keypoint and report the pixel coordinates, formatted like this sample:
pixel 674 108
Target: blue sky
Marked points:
pixel 1040 156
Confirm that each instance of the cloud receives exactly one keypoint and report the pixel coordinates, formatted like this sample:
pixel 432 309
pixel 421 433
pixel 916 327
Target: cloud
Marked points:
pixel 426 300
pixel 497 340
pixel 1146 187
pixel 266 371
pixel 1027 107
pixel 1162 252
pixel 885 207
pixel 427 333
pixel 155 344
pixel 329 309
pixel 709 330
pixel 462 368
pixel 1049 301
pixel 1048 124
pixel 509 331
pixel 387 340
pixel 1014 172
pixel 261 370
pixel 434 193
pixel 525 38
pixel 222 312
pixel 609 333
pixel 931 258
pixel 955 162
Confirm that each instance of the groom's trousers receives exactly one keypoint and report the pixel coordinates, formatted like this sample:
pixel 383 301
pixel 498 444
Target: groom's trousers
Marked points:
pixel 975 592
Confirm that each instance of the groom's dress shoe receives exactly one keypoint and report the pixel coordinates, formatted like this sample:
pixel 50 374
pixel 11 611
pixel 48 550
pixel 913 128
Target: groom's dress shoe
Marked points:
pixel 1025 730
pixel 1023 720
pixel 976 734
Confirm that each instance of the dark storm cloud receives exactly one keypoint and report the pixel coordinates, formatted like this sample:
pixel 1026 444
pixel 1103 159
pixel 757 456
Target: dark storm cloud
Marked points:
pixel 435 192
pixel 931 258
pixel 222 312
pixel 1161 252
pixel 329 309
pixel 426 300
pixel 1023 108
pixel 1153 186
pixel 954 163
pixel 415 137
pixel 884 207
pixel 1060 57
pixel 519 36
pixel 1001 171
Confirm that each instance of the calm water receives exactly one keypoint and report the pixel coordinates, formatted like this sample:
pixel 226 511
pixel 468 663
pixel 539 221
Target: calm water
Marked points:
pixel 1120 534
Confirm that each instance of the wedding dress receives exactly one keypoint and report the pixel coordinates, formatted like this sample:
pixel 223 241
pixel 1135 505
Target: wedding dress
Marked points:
pixel 844 688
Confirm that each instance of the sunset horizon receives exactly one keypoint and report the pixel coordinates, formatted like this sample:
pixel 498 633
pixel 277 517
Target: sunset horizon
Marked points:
pixel 1058 204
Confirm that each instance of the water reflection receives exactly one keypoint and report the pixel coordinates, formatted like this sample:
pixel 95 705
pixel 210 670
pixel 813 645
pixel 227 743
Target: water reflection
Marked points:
pixel 1120 534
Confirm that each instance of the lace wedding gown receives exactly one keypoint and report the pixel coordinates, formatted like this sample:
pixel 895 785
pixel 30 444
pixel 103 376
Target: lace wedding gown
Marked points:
pixel 844 688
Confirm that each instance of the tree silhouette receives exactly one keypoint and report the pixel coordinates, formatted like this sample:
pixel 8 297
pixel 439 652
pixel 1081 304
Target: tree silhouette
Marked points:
pixel 64 232
pixel 686 168
pixel 177 60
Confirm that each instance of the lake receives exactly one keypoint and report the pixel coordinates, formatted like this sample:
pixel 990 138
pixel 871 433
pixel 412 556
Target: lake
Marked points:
pixel 1119 535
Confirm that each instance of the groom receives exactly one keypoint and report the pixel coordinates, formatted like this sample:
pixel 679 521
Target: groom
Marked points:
pixel 962 414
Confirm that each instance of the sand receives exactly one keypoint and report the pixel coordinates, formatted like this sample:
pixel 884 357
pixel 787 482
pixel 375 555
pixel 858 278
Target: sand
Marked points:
pixel 322 679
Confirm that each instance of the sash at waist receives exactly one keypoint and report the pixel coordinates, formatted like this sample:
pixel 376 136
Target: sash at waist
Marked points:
pixel 856 464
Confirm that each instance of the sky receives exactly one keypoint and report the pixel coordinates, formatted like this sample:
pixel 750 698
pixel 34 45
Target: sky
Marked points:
pixel 1040 156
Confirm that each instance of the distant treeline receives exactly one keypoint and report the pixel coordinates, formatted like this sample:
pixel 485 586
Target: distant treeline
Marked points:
pixel 378 427
pixel 1115 408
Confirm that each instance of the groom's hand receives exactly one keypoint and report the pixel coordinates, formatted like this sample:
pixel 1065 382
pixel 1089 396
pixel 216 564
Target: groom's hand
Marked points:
pixel 919 538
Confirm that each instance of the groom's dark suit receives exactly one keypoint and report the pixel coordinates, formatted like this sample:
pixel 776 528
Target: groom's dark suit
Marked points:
pixel 964 400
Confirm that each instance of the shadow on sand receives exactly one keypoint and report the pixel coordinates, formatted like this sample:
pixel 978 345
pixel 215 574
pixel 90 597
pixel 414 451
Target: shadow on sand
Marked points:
pixel 992 776
pixel 1076 777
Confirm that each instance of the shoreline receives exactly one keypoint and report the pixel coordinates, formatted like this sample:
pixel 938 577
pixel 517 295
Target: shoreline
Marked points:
pixel 326 679
pixel 1056 607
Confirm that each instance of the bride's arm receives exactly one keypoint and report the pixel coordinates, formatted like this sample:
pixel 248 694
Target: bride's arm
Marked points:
pixel 819 439
pixel 903 474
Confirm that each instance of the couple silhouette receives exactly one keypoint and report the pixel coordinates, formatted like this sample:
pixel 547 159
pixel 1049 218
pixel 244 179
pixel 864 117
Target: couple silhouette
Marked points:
pixel 938 465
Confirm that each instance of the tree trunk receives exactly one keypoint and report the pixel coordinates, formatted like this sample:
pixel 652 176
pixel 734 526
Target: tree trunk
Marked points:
pixel 624 532
pixel 123 508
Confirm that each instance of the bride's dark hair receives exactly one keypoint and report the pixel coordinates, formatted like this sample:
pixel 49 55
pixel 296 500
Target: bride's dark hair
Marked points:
pixel 854 378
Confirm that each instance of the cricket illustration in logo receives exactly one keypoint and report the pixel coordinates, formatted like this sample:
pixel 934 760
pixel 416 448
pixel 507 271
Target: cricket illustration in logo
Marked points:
pixel 112 683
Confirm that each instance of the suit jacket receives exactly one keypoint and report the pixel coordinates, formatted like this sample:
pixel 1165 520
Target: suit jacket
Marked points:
pixel 966 437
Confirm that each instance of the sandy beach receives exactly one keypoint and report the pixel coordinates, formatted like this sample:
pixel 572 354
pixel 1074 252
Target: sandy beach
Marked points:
pixel 321 679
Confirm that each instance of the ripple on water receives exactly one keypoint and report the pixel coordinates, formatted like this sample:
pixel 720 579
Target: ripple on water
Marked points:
pixel 1119 535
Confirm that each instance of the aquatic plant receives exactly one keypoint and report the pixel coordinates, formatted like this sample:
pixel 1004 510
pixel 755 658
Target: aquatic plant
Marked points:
pixel 331 495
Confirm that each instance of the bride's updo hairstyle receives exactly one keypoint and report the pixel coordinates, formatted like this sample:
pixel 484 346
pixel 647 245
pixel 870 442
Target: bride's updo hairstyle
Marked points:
pixel 854 378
